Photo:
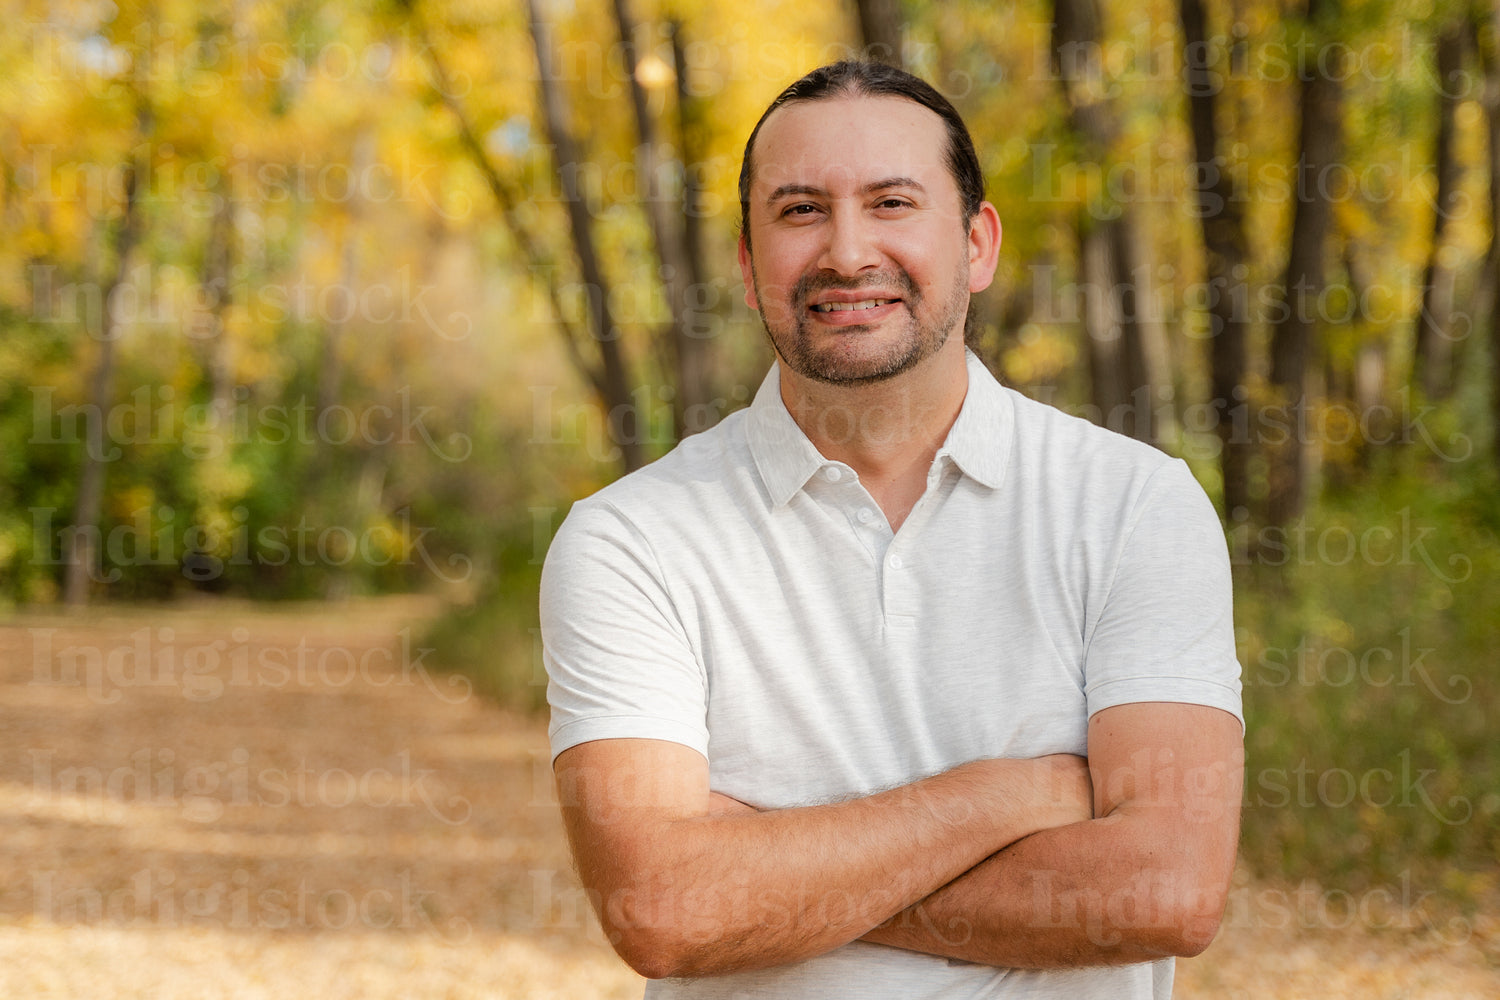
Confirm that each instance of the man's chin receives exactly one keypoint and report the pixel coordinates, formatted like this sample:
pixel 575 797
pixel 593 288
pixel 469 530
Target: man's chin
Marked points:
pixel 843 370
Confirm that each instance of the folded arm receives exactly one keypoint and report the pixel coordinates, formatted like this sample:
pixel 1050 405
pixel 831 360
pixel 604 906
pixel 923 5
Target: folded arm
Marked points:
pixel 686 884
pixel 1147 879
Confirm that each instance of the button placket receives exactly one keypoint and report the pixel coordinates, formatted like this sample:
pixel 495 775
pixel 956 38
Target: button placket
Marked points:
pixel 896 594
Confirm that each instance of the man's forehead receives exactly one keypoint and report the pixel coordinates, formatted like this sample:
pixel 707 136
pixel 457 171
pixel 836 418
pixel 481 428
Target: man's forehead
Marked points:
pixel 849 142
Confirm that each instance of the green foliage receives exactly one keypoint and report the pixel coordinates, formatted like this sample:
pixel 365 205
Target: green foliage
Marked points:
pixel 1367 636
pixel 496 639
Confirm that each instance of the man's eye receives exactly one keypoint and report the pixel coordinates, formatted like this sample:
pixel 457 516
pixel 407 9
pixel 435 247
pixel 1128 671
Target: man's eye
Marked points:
pixel 800 210
pixel 894 203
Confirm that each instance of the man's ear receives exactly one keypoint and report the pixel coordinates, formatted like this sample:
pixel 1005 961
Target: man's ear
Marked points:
pixel 984 247
pixel 747 274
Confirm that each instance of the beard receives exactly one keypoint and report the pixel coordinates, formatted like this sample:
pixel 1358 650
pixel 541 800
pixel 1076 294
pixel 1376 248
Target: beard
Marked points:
pixel 842 358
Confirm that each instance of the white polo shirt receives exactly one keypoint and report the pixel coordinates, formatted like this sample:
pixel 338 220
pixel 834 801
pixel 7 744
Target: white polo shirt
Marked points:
pixel 746 597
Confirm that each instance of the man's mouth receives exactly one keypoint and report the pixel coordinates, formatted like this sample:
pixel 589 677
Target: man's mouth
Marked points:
pixel 828 307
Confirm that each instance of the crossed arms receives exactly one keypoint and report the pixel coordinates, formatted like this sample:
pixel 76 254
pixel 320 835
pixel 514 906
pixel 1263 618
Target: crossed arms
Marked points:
pixel 1053 862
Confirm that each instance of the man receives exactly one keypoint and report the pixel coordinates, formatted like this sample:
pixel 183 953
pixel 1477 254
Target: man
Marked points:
pixel 824 678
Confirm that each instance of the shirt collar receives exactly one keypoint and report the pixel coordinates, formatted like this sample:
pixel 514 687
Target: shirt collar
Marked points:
pixel 783 454
pixel 977 442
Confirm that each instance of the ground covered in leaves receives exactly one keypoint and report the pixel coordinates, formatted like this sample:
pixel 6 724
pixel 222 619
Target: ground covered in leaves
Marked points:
pixel 227 800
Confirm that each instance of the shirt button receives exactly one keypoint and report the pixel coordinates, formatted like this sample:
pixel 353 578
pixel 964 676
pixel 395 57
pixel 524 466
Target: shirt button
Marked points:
pixel 865 515
pixel 833 473
pixel 896 562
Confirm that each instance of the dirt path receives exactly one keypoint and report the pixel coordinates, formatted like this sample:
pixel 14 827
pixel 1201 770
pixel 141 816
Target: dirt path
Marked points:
pixel 234 802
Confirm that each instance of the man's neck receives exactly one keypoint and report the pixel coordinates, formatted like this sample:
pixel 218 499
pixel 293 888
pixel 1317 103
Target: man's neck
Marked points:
pixel 887 432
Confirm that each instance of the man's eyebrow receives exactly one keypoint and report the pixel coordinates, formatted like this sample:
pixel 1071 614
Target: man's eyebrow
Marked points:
pixel 809 189
pixel 894 182
pixel 789 189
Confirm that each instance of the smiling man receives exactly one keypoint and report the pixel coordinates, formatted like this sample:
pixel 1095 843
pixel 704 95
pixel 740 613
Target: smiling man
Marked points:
pixel 895 684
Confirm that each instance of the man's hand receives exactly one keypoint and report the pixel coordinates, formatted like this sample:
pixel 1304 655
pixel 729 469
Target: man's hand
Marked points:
pixel 1147 879
pixel 692 882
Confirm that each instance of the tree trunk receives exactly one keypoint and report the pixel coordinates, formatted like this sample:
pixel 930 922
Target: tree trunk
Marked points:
pixel 1432 349
pixel 1017 304
pixel 218 266
pixel 1320 143
pixel 1225 265
pixel 880 30
pixel 666 235
pixel 1367 376
pixel 696 369
pixel 1124 372
pixel 331 368
pixel 82 556
pixel 625 424
pixel 1148 355
pixel 1101 324
pixel 508 200
pixel 1487 30
pixel 608 377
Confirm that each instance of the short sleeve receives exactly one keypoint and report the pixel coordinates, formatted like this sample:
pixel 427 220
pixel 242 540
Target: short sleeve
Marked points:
pixel 1166 629
pixel 618 661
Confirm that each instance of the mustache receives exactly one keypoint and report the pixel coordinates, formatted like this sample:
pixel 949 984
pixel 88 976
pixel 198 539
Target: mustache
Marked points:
pixel 810 284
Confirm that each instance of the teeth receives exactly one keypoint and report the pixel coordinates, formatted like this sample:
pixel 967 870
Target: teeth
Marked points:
pixel 828 307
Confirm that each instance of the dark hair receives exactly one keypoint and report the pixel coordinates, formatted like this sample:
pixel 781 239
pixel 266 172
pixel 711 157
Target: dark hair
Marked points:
pixel 870 79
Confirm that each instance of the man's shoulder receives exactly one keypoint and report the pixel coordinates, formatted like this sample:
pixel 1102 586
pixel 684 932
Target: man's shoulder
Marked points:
pixel 678 485
pixel 1059 440
pixel 1098 479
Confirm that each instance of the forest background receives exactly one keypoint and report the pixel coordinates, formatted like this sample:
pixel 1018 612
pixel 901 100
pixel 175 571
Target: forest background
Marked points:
pixel 307 300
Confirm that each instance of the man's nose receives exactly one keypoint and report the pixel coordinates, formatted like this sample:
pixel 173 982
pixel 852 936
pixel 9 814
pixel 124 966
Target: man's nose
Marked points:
pixel 852 245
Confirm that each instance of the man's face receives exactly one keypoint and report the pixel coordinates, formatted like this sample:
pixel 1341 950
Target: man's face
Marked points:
pixel 858 259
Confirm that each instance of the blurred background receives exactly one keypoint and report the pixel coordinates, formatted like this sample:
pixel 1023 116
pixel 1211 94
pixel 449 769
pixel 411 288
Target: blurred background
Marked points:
pixel 308 304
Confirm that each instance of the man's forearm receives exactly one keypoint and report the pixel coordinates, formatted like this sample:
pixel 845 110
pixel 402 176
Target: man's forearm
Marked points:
pixel 1101 892
pixel 708 894
pixel 1146 880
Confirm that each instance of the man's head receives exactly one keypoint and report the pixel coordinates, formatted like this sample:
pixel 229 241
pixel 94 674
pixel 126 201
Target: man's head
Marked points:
pixel 865 228
pixel 869 79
